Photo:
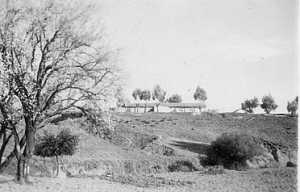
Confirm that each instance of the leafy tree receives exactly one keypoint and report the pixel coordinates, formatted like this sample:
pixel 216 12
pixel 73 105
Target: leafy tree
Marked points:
pixel 174 99
pixel 249 105
pixel 200 94
pixel 268 104
pixel 292 107
pixel 51 145
pixel 52 63
pixel 136 94
pixel 159 93
pixel 146 95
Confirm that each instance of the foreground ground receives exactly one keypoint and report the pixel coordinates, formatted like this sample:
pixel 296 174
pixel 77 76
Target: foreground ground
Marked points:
pixel 247 181
pixel 141 153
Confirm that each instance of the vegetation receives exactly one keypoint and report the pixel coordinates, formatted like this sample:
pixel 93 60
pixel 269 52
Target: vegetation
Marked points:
pixel 200 94
pixel 174 99
pixel 232 150
pixel 249 105
pixel 136 94
pixel 145 95
pixel 268 104
pixel 292 107
pixel 52 63
pixel 51 145
pixel 159 94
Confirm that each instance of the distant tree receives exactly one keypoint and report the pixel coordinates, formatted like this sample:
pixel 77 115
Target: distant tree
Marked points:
pixel 145 95
pixel 174 99
pixel 159 93
pixel 249 105
pixel 268 104
pixel 200 94
pixel 136 94
pixel 119 96
pixel 51 145
pixel 292 107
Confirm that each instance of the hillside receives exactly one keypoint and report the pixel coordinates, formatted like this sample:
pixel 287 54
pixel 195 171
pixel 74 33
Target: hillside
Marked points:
pixel 162 151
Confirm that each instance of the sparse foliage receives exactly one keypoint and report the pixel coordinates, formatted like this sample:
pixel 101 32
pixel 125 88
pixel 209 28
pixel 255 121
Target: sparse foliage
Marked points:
pixel 249 105
pixel 159 93
pixel 268 104
pixel 174 99
pixel 200 94
pixel 292 107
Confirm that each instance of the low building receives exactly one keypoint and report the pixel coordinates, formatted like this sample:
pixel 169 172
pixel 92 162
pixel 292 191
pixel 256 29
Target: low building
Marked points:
pixel 164 107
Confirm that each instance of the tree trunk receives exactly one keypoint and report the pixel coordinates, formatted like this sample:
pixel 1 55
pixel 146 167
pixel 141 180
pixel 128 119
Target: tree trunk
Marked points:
pixel 20 173
pixel 30 143
pixel 57 165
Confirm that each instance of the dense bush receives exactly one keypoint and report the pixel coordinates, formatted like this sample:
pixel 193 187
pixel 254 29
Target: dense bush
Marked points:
pixel 232 150
pixel 51 145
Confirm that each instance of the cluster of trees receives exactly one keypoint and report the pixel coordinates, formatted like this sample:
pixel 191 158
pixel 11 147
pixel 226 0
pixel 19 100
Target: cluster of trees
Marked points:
pixel 268 105
pixel 52 65
pixel 160 94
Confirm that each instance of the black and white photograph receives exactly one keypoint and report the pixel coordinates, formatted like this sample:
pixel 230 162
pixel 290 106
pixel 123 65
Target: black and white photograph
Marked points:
pixel 149 95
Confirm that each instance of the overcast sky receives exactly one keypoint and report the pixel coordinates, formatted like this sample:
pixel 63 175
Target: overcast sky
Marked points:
pixel 234 49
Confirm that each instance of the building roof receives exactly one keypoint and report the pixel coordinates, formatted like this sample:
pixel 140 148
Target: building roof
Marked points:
pixel 170 105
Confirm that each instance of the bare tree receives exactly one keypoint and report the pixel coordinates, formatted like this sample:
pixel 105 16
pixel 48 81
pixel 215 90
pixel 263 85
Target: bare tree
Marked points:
pixel 53 64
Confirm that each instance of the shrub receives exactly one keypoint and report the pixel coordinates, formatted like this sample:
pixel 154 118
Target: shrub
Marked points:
pixel 51 145
pixel 249 105
pixel 232 150
pixel 182 165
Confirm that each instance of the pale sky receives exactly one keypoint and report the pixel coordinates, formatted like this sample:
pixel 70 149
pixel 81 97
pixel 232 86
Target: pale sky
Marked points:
pixel 234 49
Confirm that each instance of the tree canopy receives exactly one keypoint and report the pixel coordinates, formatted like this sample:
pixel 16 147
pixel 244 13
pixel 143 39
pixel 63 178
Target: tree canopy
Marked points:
pixel 176 98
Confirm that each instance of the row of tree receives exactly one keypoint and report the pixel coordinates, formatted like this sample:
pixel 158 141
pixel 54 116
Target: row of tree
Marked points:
pixel 159 94
pixel 268 104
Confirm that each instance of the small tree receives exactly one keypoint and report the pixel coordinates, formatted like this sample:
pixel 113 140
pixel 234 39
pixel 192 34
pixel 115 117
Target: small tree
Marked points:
pixel 159 94
pixel 146 96
pixel 292 107
pixel 51 145
pixel 136 94
pixel 268 104
pixel 200 94
pixel 249 105
pixel 174 99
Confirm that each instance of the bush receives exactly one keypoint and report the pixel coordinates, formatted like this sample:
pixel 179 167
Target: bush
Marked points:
pixel 182 165
pixel 232 150
pixel 51 145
